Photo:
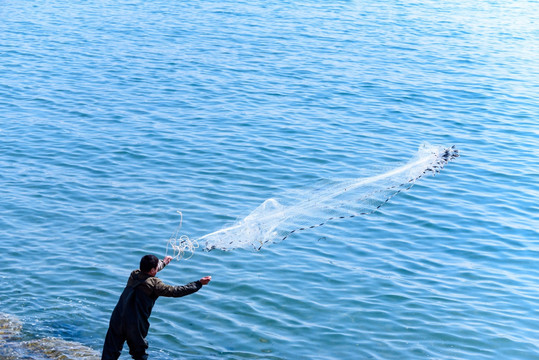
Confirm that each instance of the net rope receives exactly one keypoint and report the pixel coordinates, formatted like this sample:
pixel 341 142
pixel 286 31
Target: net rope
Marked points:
pixel 181 245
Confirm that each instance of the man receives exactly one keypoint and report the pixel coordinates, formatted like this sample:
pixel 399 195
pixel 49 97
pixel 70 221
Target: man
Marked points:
pixel 129 320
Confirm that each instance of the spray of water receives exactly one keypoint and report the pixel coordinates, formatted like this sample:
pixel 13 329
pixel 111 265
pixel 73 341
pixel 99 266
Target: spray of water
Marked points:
pixel 275 220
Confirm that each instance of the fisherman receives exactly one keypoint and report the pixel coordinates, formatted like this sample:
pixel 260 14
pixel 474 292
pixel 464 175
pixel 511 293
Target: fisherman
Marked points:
pixel 129 320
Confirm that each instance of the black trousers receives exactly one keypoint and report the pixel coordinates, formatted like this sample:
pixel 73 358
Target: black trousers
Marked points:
pixel 117 336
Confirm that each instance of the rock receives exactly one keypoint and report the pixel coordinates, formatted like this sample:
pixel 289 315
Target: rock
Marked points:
pixel 60 349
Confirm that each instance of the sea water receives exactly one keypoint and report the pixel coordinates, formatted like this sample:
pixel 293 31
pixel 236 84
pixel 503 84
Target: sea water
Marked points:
pixel 114 115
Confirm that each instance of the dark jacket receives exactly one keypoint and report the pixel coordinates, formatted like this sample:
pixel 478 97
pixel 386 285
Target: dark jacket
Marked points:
pixel 137 300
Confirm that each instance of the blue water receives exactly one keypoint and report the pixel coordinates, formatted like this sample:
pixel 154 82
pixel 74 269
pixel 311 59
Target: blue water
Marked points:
pixel 116 114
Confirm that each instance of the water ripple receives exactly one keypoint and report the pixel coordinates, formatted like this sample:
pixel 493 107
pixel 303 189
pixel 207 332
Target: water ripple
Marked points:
pixel 114 115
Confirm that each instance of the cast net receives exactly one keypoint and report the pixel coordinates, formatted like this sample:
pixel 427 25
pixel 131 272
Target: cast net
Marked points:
pixel 277 219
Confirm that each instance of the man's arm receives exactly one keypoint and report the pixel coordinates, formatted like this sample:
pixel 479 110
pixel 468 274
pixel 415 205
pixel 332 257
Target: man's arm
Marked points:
pixel 163 263
pixel 162 289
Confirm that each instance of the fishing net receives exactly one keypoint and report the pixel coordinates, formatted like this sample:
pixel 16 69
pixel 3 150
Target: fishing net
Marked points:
pixel 277 219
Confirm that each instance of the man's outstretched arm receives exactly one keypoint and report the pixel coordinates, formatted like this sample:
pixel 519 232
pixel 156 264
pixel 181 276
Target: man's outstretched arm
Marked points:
pixel 162 289
pixel 163 263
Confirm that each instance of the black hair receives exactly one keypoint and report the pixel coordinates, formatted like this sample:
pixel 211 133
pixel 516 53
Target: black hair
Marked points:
pixel 148 262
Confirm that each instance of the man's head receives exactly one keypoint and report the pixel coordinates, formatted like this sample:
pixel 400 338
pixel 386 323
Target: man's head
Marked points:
pixel 148 263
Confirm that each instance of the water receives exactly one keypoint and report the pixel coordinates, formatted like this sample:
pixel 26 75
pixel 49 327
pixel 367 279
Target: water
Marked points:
pixel 114 115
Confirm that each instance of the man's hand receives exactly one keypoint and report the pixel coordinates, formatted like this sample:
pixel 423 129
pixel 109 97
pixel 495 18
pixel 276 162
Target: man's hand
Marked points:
pixel 205 280
pixel 167 259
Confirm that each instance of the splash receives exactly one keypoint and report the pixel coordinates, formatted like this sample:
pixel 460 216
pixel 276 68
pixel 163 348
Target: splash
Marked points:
pixel 275 220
